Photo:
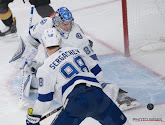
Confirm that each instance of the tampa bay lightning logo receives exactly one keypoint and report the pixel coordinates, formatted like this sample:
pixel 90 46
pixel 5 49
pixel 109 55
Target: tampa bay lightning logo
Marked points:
pixel 41 81
pixel 43 21
pixel 50 35
pixel 79 36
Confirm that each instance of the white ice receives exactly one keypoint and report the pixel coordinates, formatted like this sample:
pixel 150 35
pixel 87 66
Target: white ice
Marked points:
pixel 102 22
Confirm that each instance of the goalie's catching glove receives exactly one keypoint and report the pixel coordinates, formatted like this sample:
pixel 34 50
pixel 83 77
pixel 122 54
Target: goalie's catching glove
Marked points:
pixel 24 54
pixel 32 119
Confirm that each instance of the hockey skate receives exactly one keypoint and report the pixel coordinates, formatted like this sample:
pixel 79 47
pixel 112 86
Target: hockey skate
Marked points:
pixel 125 102
pixel 9 31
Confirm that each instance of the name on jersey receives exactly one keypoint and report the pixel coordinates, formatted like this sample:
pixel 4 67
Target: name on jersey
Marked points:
pixel 62 57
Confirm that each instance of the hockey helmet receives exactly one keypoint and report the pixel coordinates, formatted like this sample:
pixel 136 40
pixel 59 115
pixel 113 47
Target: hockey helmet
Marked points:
pixel 51 37
pixel 64 16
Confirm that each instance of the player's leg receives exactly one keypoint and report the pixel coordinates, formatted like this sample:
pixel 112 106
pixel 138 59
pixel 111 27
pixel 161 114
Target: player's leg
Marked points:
pixel 81 102
pixel 64 119
pixel 43 8
pixel 91 101
pixel 7 19
pixel 112 115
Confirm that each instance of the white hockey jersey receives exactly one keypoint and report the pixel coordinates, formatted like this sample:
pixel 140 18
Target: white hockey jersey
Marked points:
pixel 76 37
pixel 27 52
pixel 61 72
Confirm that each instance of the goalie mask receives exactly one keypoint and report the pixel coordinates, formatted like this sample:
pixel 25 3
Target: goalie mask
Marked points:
pixel 63 21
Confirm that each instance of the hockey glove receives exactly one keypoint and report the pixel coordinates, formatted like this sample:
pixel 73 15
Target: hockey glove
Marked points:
pixel 32 67
pixel 32 119
pixel 25 53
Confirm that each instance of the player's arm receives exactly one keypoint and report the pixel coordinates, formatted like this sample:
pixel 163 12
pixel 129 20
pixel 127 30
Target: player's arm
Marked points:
pixel 89 51
pixel 45 91
pixel 87 40
pixel 86 44
pixel 94 67
pixel 45 97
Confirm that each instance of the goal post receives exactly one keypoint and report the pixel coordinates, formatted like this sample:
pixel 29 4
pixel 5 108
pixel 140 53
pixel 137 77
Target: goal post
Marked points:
pixel 143 25
pixel 125 28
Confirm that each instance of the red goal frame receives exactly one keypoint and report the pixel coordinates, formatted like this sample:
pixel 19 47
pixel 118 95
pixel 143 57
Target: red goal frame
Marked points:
pixel 125 28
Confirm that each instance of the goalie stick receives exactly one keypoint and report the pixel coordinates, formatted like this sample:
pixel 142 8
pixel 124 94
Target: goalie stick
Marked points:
pixel 21 102
pixel 51 113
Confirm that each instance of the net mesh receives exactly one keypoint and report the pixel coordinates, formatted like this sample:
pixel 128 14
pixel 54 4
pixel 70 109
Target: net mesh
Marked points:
pixel 146 23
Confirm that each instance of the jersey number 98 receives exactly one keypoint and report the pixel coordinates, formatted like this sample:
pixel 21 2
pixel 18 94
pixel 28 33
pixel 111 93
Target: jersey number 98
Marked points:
pixel 70 69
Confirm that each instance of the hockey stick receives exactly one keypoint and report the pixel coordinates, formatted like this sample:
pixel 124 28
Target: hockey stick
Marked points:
pixel 31 16
pixel 51 113
pixel 21 102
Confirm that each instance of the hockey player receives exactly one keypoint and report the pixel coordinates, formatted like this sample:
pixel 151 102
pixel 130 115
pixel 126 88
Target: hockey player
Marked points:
pixel 71 36
pixel 7 19
pixel 43 8
pixel 68 76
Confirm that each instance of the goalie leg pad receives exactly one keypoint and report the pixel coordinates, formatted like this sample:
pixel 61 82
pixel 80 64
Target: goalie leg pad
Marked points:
pixel 30 84
pixel 29 77
pixel 27 82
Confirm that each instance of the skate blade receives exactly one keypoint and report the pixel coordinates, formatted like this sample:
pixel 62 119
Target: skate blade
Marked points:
pixel 9 36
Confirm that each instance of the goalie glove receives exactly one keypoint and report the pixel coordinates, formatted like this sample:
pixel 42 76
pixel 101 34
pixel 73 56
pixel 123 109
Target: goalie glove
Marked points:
pixel 32 67
pixel 32 119
pixel 24 55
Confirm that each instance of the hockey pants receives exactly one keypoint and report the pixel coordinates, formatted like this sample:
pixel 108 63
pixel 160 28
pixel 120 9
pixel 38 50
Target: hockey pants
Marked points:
pixel 92 102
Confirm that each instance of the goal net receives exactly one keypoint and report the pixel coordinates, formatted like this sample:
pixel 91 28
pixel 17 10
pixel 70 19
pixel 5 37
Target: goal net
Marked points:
pixel 145 23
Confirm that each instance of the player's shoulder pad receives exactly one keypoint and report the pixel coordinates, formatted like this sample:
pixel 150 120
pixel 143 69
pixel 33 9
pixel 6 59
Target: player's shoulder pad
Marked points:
pixel 40 27
pixel 44 23
pixel 77 27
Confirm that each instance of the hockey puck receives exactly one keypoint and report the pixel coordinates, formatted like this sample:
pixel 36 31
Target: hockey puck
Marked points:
pixel 150 106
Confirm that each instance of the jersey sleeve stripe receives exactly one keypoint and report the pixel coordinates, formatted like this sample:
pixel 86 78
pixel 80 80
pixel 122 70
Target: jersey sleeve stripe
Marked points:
pixel 78 78
pixel 95 70
pixel 46 97
pixel 94 57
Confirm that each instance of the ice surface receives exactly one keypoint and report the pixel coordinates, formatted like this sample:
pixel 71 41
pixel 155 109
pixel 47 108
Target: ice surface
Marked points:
pixel 141 75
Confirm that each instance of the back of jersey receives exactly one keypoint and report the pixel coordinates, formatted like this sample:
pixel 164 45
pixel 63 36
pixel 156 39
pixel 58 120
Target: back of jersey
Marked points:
pixel 68 67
